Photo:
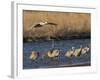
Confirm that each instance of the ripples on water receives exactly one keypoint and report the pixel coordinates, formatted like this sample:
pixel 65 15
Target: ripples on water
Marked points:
pixel 62 45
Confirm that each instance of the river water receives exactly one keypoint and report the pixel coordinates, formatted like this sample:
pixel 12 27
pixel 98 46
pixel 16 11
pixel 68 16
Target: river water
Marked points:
pixel 62 61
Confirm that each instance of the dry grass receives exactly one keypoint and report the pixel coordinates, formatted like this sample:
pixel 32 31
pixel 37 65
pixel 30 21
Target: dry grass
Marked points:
pixel 67 23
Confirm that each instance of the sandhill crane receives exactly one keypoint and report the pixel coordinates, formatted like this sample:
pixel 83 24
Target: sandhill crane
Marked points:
pixel 41 24
pixel 34 55
pixel 52 53
pixel 77 52
pixel 70 52
pixel 85 50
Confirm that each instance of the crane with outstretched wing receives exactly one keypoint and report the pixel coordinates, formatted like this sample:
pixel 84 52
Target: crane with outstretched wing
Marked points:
pixel 41 24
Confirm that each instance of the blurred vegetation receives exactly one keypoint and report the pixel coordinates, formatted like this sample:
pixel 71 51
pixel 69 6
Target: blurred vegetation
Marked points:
pixel 71 25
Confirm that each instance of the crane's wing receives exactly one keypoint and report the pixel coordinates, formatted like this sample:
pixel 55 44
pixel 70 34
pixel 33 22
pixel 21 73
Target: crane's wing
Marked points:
pixel 52 23
pixel 34 25
pixel 37 25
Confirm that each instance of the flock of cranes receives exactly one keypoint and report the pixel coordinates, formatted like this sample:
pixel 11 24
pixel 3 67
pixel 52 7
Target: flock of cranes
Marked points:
pixel 54 53
pixel 77 52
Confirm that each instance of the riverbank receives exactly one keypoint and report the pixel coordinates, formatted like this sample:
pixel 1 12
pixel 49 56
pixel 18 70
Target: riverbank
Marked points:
pixel 67 37
pixel 69 25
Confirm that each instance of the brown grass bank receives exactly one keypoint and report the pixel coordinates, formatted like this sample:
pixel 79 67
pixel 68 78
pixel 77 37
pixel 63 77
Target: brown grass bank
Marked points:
pixel 69 25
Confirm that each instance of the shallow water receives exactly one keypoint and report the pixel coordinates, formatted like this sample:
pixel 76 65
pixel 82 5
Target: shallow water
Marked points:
pixel 62 61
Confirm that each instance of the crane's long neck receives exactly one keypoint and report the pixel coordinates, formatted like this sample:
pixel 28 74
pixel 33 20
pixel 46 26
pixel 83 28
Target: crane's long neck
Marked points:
pixel 53 44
